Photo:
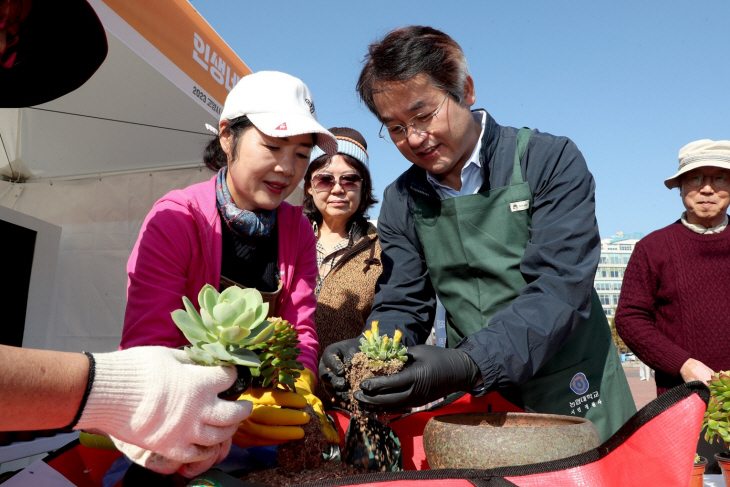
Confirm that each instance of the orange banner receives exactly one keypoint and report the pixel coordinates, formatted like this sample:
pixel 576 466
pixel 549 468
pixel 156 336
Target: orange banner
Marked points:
pixel 178 31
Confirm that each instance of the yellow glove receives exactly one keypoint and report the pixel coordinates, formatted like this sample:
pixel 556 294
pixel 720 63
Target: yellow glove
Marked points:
pixel 305 386
pixel 271 422
pixel 95 441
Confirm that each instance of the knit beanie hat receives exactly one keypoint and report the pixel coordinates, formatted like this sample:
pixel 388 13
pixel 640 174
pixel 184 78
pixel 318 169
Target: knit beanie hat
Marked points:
pixel 349 142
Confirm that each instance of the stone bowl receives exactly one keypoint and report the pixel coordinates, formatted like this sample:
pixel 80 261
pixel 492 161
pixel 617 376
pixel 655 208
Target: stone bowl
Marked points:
pixel 491 440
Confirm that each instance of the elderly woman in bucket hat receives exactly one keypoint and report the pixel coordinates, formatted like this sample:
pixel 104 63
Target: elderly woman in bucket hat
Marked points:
pixel 236 229
pixel 674 309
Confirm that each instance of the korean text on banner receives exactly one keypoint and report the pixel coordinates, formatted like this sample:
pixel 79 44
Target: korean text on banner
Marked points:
pixel 176 29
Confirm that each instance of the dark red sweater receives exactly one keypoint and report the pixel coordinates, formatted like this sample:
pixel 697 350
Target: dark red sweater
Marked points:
pixel 675 302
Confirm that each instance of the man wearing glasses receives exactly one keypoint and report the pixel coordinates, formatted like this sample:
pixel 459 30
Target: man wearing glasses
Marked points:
pixel 674 310
pixel 500 224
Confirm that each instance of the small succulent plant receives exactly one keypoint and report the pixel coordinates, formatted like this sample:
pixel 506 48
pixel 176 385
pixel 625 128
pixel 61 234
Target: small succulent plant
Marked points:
pixel 232 329
pixel 278 356
pixel 717 415
pixel 382 348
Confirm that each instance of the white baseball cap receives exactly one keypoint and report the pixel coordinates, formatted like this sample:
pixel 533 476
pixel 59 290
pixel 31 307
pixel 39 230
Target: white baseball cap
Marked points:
pixel 701 153
pixel 279 105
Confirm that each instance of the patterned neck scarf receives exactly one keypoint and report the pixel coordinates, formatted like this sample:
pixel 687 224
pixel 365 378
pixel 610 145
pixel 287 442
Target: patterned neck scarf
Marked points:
pixel 243 222
pixel 702 230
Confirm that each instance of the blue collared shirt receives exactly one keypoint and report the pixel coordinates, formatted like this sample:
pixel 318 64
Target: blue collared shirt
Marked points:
pixel 471 173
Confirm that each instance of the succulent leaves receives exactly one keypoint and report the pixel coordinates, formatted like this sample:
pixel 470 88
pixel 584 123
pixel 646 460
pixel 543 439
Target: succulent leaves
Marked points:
pixel 228 323
pixel 278 355
pixel 232 328
pixel 717 415
pixel 382 348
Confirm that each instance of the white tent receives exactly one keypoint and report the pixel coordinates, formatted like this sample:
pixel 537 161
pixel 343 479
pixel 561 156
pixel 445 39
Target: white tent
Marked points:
pixel 94 161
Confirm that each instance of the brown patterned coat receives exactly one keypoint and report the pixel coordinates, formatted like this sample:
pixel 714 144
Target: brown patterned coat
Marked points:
pixel 346 296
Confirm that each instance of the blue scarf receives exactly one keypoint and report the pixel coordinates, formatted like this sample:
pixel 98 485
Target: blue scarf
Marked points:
pixel 243 222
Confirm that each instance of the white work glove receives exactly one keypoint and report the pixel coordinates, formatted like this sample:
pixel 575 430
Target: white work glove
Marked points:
pixel 158 463
pixel 162 410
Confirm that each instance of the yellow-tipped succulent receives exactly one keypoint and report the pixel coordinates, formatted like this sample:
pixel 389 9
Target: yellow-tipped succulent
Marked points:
pixel 378 347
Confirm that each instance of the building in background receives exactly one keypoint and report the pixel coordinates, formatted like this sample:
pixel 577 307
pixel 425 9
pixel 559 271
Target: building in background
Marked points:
pixel 615 254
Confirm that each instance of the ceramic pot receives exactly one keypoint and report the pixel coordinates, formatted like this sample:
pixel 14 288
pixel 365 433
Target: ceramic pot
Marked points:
pixel 490 440
pixel 723 459
pixel 698 473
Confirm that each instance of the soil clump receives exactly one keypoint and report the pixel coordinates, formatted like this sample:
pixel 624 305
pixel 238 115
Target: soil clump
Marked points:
pixel 301 461
pixel 306 453
pixel 368 443
pixel 361 367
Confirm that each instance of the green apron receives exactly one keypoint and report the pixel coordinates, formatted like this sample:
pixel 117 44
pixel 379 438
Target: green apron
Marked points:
pixel 473 247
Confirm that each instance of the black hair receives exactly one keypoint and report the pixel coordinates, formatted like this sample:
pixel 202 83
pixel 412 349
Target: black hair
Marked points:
pixel 407 52
pixel 214 156
pixel 367 197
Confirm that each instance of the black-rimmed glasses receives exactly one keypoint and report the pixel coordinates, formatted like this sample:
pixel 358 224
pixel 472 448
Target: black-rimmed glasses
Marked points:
pixel 419 123
pixel 325 182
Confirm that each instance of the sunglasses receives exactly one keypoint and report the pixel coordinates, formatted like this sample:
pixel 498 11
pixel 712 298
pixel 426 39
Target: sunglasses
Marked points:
pixel 325 182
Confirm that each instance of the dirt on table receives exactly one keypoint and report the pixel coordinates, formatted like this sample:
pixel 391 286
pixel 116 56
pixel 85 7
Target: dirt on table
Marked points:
pixel 302 460
pixel 329 469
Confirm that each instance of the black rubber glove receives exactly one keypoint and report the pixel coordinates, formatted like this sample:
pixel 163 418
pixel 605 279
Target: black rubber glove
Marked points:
pixel 435 372
pixel 332 368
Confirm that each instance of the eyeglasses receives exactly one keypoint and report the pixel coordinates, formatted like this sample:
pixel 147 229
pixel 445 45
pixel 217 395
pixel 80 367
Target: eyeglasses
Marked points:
pixel 325 182
pixel 419 123
pixel 700 180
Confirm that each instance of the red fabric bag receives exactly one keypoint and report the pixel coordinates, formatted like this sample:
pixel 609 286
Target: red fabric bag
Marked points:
pixel 655 447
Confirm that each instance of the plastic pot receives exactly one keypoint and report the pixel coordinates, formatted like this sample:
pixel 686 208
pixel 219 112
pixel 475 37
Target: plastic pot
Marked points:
pixel 698 473
pixel 723 459
pixel 243 382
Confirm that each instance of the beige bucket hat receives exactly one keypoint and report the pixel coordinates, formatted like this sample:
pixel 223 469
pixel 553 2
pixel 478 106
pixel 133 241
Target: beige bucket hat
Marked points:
pixel 700 153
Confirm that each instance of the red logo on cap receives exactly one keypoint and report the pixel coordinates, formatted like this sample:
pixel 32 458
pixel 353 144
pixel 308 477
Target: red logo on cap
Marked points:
pixel 281 127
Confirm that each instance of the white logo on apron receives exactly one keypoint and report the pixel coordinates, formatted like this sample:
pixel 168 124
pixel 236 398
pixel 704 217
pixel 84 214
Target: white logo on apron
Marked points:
pixel 519 205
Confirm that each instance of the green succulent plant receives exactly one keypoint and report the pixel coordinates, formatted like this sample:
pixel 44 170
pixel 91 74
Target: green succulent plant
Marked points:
pixel 382 348
pixel 228 325
pixel 717 415
pixel 232 329
pixel 278 355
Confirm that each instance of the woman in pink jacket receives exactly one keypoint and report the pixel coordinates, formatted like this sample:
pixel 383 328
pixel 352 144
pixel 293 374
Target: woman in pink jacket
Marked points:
pixel 236 228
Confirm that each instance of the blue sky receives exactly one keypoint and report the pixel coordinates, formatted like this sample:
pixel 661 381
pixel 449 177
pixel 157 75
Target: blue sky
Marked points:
pixel 629 82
